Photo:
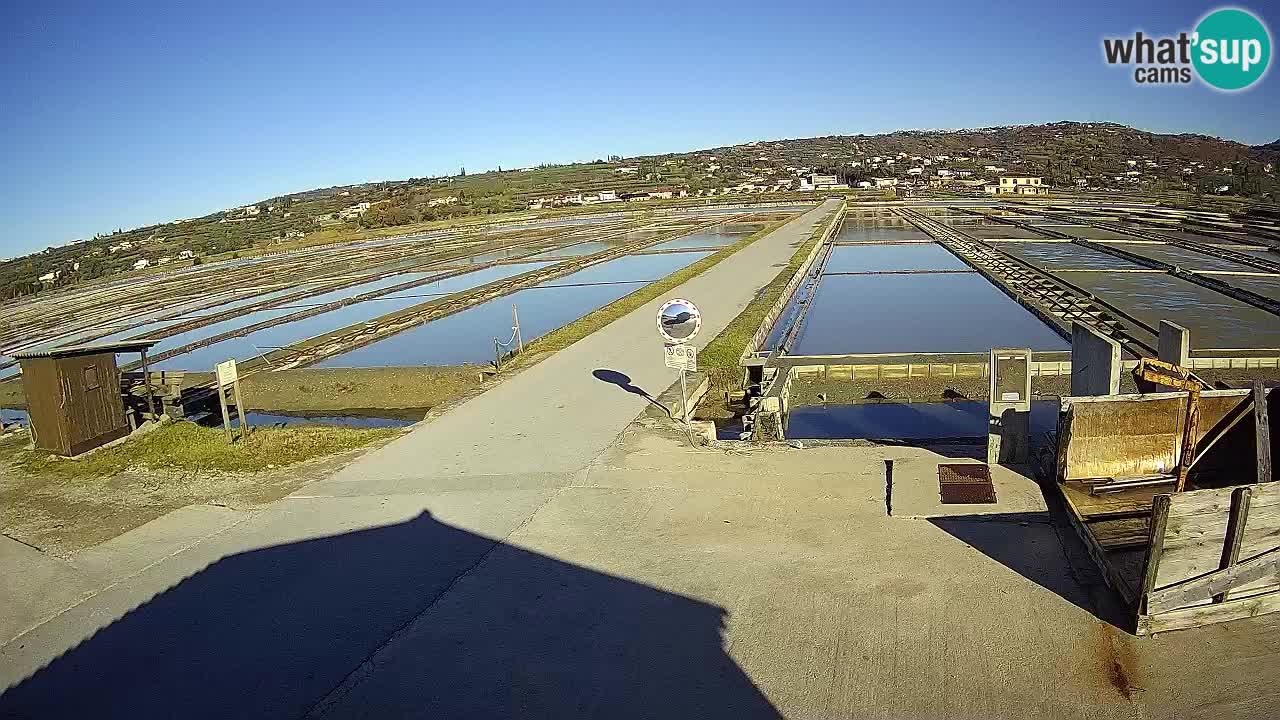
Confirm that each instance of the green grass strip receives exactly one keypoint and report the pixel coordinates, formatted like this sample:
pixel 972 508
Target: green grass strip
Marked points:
pixel 185 446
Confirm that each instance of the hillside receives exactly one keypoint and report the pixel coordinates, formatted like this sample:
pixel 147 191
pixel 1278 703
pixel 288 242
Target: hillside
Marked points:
pixel 1067 154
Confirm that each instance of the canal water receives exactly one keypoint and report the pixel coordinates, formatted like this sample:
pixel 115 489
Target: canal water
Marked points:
pixel 1004 231
pixel 1215 320
pixel 906 421
pixel 891 257
pixel 718 236
pixel 1184 258
pixel 1064 255
pixel 467 337
pixel 928 313
pixel 1090 233
pixel 1268 286
pixel 880 233
pixel 266 339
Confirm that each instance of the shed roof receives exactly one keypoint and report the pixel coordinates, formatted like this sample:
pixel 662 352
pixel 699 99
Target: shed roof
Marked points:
pixel 87 349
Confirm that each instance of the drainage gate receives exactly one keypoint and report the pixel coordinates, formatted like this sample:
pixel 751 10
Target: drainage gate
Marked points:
pixel 965 484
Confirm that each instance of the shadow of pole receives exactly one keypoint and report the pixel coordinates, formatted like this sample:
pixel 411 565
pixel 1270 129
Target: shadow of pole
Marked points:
pixel 622 380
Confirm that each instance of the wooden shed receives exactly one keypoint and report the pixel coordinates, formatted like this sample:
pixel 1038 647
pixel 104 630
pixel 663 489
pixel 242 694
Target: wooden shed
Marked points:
pixel 73 395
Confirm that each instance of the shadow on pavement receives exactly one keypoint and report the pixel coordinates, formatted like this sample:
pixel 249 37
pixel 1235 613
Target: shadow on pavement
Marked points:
pixel 1029 544
pixel 271 632
pixel 622 380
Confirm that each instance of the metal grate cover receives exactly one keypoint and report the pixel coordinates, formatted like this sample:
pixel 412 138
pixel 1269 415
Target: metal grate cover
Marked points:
pixel 966 484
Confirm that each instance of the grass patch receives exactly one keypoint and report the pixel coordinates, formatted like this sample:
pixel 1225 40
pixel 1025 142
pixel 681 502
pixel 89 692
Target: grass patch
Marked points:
pixel 598 318
pixel 187 447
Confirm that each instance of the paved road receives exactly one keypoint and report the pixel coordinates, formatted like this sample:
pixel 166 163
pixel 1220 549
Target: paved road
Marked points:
pixel 556 416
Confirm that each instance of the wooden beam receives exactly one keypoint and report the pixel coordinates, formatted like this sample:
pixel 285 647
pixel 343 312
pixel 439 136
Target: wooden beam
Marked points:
pixel 146 381
pixel 1236 521
pixel 1197 589
pixel 1208 614
pixel 1155 547
pixel 1262 424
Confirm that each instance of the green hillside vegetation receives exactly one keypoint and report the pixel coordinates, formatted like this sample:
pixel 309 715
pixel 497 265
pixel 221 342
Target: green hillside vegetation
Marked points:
pixel 1099 154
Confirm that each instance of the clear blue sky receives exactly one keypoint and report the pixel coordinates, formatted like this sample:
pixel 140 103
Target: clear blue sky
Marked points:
pixel 123 114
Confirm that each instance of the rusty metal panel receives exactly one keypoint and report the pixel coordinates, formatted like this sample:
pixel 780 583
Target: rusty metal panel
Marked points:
pixel 1132 435
pixel 965 484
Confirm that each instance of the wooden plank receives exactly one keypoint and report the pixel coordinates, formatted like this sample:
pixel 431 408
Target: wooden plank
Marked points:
pixel 1236 522
pixel 1155 546
pixel 226 418
pixel 1197 531
pixel 1262 423
pixel 1196 590
pixel 1110 574
pixel 1112 533
pixel 1233 418
pixel 242 409
pixel 1209 614
pixel 1131 502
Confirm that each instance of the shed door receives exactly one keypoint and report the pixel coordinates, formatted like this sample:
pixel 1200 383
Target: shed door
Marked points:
pixel 92 392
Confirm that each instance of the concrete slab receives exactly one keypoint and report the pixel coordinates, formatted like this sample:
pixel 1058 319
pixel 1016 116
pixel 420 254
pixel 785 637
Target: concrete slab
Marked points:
pixel 1095 362
pixel 157 540
pixel 716 603
pixel 1175 344
pixel 36 587
pixel 916 493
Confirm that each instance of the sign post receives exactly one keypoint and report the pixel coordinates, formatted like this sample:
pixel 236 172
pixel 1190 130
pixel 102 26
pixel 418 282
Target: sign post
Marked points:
pixel 229 377
pixel 679 322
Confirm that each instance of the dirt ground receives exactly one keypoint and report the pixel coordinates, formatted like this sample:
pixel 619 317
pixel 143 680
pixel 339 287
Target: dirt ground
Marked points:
pixel 61 515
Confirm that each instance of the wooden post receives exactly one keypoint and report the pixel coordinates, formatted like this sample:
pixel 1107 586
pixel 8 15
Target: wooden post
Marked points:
pixel 1240 498
pixel 1190 431
pixel 146 381
pixel 515 321
pixel 241 410
pixel 226 418
pixel 1262 424
pixel 1155 548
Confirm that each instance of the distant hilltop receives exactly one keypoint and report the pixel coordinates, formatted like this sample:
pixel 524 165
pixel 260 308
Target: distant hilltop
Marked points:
pixel 1093 155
